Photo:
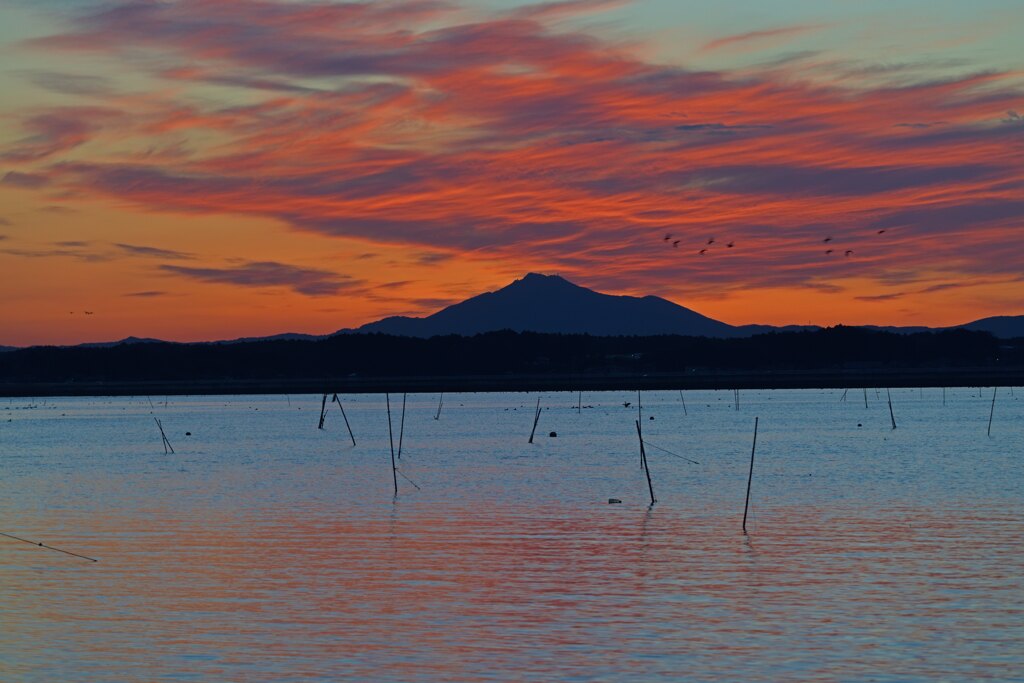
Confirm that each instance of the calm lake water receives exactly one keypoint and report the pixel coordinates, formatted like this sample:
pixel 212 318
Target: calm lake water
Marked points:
pixel 266 550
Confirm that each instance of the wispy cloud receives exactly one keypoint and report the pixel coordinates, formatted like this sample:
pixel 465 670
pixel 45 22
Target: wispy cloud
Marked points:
pixel 26 180
pixel 308 281
pixel 148 294
pixel 561 9
pixel 153 252
pixel 513 138
pixel 749 38
pixel 881 297
pixel 69 84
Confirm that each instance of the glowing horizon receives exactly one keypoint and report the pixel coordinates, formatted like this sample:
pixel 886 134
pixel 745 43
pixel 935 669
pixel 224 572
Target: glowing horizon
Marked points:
pixel 212 169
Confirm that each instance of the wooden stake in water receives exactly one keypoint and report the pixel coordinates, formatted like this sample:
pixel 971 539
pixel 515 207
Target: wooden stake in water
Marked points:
pixel 750 477
pixel 640 416
pixel 401 429
pixel 943 396
pixel 440 402
pixel 579 403
pixel 323 411
pixel 391 439
pixel 167 443
pixel 891 415
pixel 736 398
pixel 843 397
pixel 684 402
pixel 643 459
pixel 992 411
pixel 48 547
pixel 865 398
pixel 337 400
pixel 536 417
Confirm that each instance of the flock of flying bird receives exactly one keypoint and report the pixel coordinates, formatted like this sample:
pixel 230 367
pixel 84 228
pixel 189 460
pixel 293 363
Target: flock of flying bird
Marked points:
pixel 729 245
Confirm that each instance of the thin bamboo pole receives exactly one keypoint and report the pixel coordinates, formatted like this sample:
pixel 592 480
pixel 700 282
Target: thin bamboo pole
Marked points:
pixel 643 459
pixel 401 429
pixel 536 418
pixel 750 477
pixel 891 415
pixel 391 439
pixel 345 417
pixel 992 411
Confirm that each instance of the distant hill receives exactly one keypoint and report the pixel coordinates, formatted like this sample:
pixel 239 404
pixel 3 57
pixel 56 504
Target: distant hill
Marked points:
pixel 548 303
pixel 553 305
pixel 1002 326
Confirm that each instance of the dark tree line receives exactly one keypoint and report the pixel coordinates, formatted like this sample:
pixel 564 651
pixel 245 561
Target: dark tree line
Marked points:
pixel 499 353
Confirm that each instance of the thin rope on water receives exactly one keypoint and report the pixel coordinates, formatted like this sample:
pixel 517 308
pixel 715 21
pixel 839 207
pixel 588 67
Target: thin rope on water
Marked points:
pixel 48 547
pixel 402 474
pixel 665 450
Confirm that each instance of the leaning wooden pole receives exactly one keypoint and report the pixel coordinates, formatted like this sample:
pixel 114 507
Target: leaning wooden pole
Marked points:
pixel 345 417
pixel 391 439
pixel 865 398
pixel 536 418
pixel 323 411
pixel 640 416
pixel 684 402
pixel 891 415
pixel 643 458
pixel 401 428
pixel 440 402
pixel 579 403
pixel 992 411
pixel 750 477
pixel 167 442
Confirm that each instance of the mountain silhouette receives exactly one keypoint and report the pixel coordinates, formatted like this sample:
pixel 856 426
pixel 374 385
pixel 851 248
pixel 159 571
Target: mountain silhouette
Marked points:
pixel 549 303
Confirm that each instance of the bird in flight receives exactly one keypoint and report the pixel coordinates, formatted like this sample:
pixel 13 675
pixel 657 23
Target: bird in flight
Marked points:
pixel 848 252
pixel 730 245
pixel 88 312
pixel 702 252
pixel 827 240
pixel 880 232
pixel 675 244
pixel 668 237
pixel 828 251
pixel 711 241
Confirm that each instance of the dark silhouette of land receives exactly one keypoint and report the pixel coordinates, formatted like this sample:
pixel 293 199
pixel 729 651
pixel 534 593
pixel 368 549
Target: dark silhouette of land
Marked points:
pixel 840 356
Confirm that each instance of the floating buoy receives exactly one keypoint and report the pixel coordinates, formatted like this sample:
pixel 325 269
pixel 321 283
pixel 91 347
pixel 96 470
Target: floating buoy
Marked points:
pixel 651 417
pixel 553 434
pixel 188 433
pixel 613 501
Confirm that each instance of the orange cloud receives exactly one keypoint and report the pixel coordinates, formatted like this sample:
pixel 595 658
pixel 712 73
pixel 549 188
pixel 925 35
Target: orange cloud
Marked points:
pixel 510 143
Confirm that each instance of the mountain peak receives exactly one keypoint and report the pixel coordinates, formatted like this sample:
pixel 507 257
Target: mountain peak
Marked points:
pixel 552 304
pixel 542 279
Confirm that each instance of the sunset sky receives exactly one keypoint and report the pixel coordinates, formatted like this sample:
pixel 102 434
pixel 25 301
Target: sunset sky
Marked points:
pixel 209 169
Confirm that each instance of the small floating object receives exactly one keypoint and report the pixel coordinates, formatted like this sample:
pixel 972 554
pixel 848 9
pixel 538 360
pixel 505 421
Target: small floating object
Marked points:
pixel 651 417
pixel 553 434
pixel 613 501
pixel 188 433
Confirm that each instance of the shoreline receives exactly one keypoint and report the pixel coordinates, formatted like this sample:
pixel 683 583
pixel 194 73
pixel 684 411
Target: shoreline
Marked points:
pixel 706 380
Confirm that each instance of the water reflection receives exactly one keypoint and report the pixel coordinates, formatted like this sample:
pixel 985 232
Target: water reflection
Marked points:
pixel 282 556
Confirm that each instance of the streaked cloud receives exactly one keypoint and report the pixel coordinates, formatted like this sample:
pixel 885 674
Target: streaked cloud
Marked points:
pixel 427 134
pixel 745 40
pixel 308 281
pixel 153 252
